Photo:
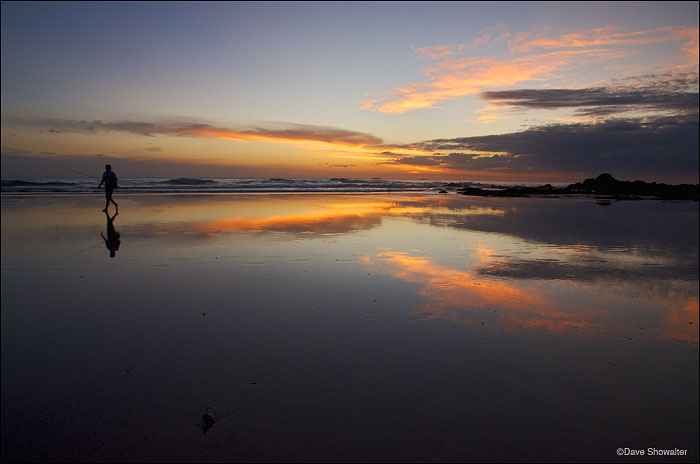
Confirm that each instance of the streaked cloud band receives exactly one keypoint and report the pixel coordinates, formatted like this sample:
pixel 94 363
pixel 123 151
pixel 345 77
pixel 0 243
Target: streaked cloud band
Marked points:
pixel 280 132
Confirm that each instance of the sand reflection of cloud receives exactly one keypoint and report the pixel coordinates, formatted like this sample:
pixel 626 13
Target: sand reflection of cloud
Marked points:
pixel 336 217
pixel 558 307
pixel 462 295
pixel 333 218
pixel 680 321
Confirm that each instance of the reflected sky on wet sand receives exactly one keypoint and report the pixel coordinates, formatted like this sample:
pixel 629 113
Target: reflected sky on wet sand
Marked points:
pixel 348 327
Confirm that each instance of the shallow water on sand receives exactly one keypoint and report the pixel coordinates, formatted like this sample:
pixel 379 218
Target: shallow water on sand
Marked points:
pixel 348 328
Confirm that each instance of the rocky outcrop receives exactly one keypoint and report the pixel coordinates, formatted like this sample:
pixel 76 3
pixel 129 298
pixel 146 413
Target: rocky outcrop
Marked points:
pixel 605 185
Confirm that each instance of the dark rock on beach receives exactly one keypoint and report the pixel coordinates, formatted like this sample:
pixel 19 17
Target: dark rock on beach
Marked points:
pixel 605 185
pixel 207 420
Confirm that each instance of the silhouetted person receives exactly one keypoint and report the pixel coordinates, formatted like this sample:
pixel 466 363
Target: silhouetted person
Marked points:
pixel 109 178
pixel 112 241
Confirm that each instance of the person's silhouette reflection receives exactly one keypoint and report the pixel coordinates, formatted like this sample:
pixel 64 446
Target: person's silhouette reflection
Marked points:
pixel 112 241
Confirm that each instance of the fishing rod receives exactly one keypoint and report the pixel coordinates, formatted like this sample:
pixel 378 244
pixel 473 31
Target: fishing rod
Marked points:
pixel 77 172
pixel 82 251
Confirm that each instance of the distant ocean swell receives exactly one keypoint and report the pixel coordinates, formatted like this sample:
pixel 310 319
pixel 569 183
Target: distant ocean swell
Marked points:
pixel 197 185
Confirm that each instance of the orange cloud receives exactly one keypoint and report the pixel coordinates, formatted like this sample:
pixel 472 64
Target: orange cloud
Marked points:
pixel 438 52
pixel 690 50
pixel 602 36
pixel 468 76
pixel 491 113
pixel 297 133
pixel 488 35
pixel 456 77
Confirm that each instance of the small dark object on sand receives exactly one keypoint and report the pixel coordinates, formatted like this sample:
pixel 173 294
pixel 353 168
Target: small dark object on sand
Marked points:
pixel 208 419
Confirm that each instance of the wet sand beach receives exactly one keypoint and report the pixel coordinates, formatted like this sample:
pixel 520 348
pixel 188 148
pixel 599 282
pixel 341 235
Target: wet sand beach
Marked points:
pixel 374 327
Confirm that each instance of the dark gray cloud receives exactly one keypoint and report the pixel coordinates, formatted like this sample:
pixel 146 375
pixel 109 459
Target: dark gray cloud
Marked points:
pixel 418 160
pixel 467 161
pixel 660 149
pixel 661 146
pixel 338 165
pixel 668 94
pixel 277 131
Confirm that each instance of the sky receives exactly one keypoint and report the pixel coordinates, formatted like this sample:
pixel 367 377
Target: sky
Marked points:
pixel 480 91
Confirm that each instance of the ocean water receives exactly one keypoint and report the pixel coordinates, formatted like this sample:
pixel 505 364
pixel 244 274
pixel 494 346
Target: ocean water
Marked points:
pixel 231 185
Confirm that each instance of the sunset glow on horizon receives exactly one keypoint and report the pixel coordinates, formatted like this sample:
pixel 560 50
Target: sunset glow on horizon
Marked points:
pixel 496 91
